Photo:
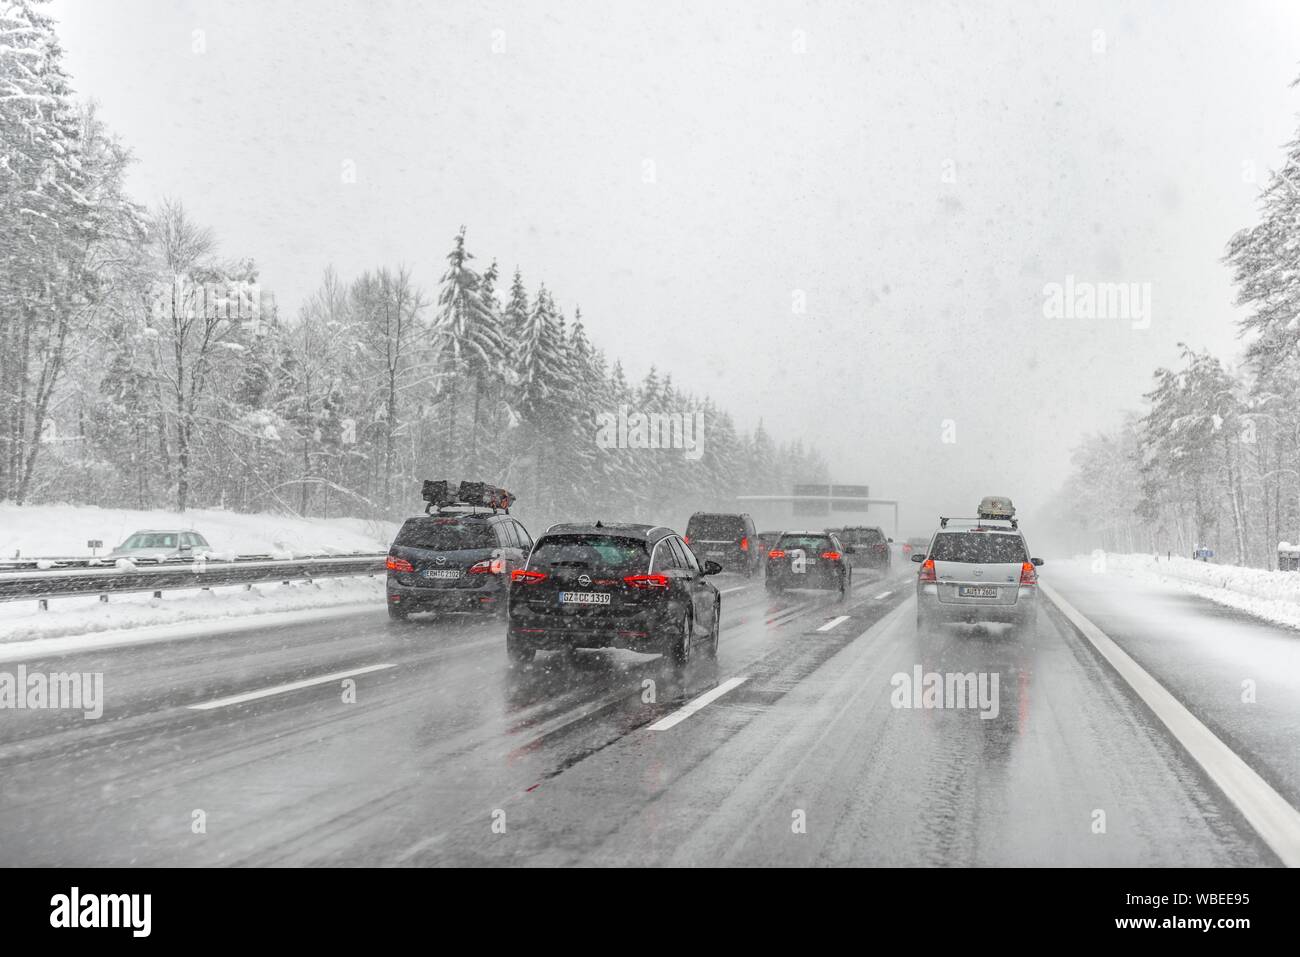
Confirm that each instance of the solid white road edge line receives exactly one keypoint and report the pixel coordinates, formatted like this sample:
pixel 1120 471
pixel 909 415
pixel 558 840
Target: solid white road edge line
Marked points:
pixel 1276 821
pixel 883 594
pixel 281 689
pixel 688 709
pixel 833 622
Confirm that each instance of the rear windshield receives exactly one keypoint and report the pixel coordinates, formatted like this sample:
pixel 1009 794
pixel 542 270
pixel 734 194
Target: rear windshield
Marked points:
pixel 720 527
pixel 595 552
pixel 861 536
pixel 812 543
pixel 445 534
pixel 978 548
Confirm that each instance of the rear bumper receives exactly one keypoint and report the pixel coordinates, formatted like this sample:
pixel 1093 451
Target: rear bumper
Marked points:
pixel 730 558
pixel 1024 609
pixel 819 576
pixel 491 593
pixel 645 632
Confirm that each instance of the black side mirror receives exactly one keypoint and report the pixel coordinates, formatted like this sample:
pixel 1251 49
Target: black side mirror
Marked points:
pixel 1036 562
pixel 919 557
pixel 849 549
pixel 890 541
pixel 712 568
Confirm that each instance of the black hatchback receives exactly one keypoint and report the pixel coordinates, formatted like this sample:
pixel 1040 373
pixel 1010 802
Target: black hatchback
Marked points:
pixel 454 561
pixel 810 560
pixel 613 586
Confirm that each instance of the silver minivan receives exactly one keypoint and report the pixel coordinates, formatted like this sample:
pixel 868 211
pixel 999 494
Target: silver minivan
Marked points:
pixel 980 573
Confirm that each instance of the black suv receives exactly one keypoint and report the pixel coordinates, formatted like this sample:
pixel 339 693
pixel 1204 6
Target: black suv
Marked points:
pixel 729 540
pixel 454 560
pixel 870 546
pixel 613 586
pixel 810 560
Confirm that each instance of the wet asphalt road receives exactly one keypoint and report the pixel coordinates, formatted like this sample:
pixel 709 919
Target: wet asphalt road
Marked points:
pixel 450 756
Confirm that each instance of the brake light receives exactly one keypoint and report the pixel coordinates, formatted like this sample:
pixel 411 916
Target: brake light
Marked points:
pixel 927 573
pixel 686 539
pixel 1028 574
pixel 831 556
pixel 744 544
pixel 399 565
pixel 881 547
pixel 646 582
pixel 489 566
pixel 527 576
pixel 776 553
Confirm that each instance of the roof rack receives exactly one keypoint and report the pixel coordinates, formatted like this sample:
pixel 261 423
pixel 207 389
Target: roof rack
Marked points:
pixel 978 522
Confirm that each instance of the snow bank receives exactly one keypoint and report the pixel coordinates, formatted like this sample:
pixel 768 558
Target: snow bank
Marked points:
pixel 1271 595
pixel 23 621
pixel 61 531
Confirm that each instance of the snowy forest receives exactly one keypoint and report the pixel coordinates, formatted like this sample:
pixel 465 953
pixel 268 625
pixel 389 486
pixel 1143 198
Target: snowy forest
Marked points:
pixel 143 366
pixel 1214 458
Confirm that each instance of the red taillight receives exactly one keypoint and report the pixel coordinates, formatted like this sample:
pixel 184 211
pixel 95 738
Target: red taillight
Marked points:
pixel 1028 574
pixel 646 581
pixel 831 556
pixel 526 576
pixel 927 573
pixel 399 565
pixel 489 566
pixel 776 553
pixel 744 544
pixel 686 539
pixel 882 547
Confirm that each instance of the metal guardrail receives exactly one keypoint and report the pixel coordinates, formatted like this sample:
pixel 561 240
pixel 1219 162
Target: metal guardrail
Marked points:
pixel 85 578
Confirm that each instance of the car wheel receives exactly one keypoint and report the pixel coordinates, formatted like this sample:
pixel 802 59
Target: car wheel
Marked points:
pixel 398 612
pixel 680 647
pixel 715 633
pixel 519 652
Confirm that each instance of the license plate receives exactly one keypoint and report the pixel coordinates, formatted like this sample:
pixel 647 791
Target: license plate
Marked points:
pixel 977 591
pixel 584 598
pixel 441 573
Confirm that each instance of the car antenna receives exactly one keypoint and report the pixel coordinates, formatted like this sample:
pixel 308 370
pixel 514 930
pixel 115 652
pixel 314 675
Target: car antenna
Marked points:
pixel 598 525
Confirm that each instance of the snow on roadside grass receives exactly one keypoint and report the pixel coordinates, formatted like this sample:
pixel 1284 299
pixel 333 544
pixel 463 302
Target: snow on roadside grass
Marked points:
pixel 1271 595
pixel 61 531
pixel 24 621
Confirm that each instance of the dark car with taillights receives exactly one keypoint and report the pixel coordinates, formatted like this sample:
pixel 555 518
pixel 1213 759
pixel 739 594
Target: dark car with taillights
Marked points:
pixel 731 540
pixel 459 556
pixel 870 546
pixel 810 560
pixel 613 586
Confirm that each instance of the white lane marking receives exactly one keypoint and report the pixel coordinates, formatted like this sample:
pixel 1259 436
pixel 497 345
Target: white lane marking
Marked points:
pixel 728 591
pixel 688 709
pixel 1276 821
pixel 291 686
pixel 833 622
pixel 883 594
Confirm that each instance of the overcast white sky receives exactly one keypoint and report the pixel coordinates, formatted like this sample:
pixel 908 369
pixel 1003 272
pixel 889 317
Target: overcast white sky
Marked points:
pixel 775 171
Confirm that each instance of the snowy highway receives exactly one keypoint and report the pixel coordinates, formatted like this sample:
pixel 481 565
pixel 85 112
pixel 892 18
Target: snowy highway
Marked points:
pixel 352 740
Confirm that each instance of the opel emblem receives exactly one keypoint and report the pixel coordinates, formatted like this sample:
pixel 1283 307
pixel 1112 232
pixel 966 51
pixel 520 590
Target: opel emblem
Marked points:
pixel 584 579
